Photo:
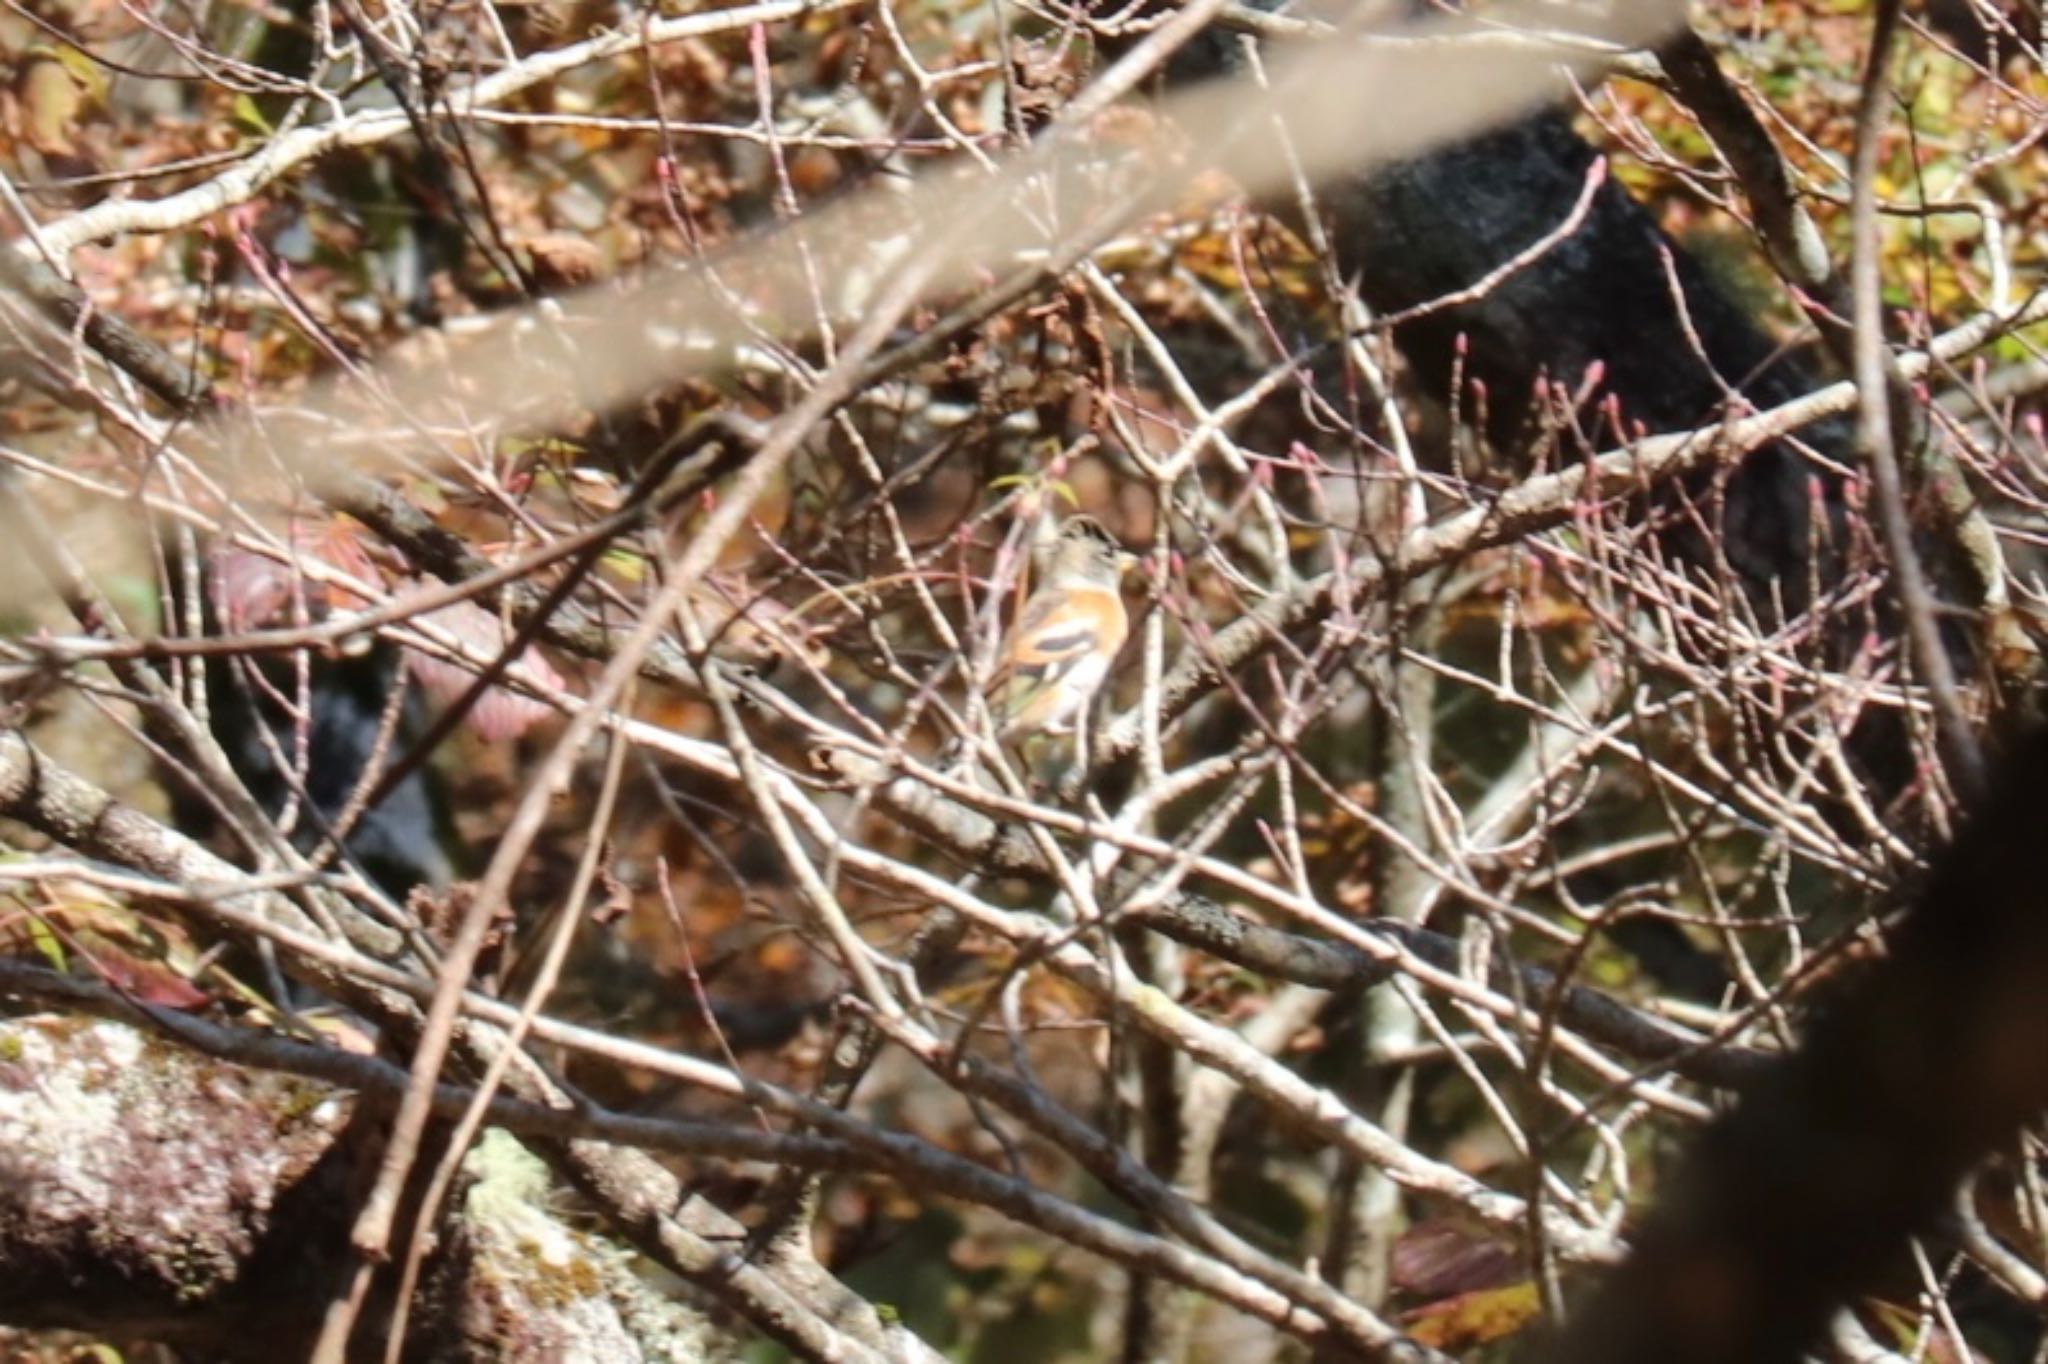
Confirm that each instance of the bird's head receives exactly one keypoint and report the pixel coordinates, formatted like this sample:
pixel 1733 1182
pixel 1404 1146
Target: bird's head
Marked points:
pixel 1086 552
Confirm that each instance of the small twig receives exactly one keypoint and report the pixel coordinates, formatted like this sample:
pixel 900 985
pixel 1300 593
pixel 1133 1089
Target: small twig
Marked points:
pixel 1874 419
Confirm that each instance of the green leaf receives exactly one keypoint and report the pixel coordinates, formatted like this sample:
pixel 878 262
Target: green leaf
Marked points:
pixel 47 943
pixel 250 117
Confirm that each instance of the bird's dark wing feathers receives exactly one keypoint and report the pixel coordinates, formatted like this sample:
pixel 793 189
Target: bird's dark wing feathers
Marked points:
pixel 1067 644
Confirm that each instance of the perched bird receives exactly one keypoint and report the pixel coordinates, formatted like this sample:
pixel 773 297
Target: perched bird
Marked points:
pixel 1057 654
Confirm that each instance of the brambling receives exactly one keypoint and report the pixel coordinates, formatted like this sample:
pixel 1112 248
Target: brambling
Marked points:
pixel 1057 654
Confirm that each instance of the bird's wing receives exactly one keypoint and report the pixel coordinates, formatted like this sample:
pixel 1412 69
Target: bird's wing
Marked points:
pixel 1052 635
pixel 1056 657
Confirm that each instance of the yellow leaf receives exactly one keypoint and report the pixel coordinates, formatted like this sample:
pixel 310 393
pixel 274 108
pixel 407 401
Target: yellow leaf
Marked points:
pixel 250 115
pixel 52 101
pixel 47 943
pixel 1474 1318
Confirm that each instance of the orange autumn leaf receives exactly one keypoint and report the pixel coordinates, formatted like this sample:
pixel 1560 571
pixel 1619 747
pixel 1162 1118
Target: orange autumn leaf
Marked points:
pixel 1474 1318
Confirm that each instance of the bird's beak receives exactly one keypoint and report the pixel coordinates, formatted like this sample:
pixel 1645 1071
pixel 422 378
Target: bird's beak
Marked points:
pixel 1126 562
